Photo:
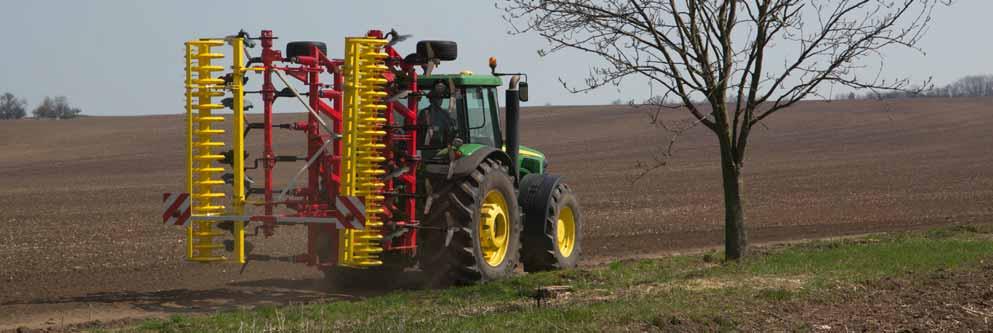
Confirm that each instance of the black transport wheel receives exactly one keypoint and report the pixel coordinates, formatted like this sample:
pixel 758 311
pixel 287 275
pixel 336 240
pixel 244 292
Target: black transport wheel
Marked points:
pixel 443 50
pixel 297 49
pixel 553 223
pixel 473 227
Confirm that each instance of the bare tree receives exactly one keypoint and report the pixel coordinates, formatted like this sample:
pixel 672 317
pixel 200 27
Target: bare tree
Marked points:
pixel 714 49
pixel 973 86
pixel 56 108
pixel 12 107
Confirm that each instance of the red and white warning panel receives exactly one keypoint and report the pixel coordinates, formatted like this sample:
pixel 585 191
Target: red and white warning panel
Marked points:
pixel 350 213
pixel 176 208
pixel 352 210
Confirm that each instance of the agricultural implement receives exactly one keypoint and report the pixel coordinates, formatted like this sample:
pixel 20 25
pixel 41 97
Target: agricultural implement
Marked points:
pixel 403 166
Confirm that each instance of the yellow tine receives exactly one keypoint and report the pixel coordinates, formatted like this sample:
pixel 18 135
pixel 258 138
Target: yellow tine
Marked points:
pixel 208 68
pixel 208 144
pixel 209 55
pixel 207 258
pixel 206 42
pixel 209 81
pixel 210 107
pixel 209 157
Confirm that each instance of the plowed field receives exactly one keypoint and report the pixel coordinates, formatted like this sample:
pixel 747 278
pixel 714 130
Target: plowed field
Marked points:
pixel 81 240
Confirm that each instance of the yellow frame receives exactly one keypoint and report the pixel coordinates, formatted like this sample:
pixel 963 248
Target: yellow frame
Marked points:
pixel 362 133
pixel 200 160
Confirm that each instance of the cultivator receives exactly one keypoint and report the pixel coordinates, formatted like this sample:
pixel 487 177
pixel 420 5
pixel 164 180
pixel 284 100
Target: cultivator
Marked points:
pixel 363 190
pixel 346 148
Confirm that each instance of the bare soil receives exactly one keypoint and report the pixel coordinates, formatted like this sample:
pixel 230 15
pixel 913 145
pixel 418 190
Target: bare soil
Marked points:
pixel 81 241
pixel 942 301
pixel 959 301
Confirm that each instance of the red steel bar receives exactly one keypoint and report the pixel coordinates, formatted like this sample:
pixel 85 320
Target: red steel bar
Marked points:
pixel 316 197
pixel 268 97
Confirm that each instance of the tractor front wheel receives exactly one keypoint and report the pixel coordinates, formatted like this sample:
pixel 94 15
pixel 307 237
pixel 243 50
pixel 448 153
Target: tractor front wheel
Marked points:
pixel 473 226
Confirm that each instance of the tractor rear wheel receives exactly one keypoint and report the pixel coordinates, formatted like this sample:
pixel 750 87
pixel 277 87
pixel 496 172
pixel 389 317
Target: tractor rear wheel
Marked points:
pixel 473 227
pixel 552 224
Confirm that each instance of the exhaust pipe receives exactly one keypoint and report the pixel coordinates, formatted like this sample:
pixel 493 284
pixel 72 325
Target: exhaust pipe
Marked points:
pixel 513 117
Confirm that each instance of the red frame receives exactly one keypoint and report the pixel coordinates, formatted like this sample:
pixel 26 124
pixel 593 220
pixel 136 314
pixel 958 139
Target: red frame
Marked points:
pixel 324 175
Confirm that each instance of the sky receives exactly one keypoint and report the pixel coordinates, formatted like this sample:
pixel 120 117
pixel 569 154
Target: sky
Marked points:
pixel 126 57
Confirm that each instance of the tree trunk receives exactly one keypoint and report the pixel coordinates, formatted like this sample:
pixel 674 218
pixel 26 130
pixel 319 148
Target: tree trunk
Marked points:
pixel 735 239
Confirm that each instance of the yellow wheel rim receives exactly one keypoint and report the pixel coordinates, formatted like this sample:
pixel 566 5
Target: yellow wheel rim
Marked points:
pixel 565 235
pixel 494 228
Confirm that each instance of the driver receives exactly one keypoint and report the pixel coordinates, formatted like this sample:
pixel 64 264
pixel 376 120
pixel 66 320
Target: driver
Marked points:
pixel 436 121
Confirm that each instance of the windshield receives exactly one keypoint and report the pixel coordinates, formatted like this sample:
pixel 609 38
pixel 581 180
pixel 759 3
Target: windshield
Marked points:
pixel 424 103
pixel 475 119
pixel 441 124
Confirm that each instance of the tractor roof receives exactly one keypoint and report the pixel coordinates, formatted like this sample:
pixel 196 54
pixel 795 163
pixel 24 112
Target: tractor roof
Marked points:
pixel 462 79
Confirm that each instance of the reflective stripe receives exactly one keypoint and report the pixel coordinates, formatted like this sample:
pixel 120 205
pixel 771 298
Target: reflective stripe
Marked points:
pixel 176 208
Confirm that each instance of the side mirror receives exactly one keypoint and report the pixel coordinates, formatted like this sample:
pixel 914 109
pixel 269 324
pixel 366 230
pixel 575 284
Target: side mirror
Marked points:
pixel 522 91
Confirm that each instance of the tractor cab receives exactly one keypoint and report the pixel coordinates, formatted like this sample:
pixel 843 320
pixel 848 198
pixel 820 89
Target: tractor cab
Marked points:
pixel 472 122
pixel 474 117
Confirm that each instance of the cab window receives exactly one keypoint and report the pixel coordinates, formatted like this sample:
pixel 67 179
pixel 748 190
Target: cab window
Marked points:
pixel 436 120
pixel 481 116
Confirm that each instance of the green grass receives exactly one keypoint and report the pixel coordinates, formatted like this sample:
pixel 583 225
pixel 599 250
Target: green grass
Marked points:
pixel 656 294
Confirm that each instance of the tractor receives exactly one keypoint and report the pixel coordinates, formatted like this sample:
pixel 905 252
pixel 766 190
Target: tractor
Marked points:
pixel 404 166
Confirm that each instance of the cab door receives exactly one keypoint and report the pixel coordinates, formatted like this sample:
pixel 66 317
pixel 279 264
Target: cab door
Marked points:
pixel 482 116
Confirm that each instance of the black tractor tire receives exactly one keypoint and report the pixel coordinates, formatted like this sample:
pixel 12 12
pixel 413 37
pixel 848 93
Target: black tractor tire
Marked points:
pixel 414 59
pixel 448 247
pixel 443 50
pixel 302 48
pixel 543 198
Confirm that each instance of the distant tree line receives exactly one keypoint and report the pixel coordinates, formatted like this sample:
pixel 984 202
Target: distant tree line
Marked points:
pixel 969 86
pixel 622 102
pixel 58 107
pixel 11 107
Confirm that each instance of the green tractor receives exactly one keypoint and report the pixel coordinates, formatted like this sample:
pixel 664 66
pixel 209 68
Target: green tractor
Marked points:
pixel 489 203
